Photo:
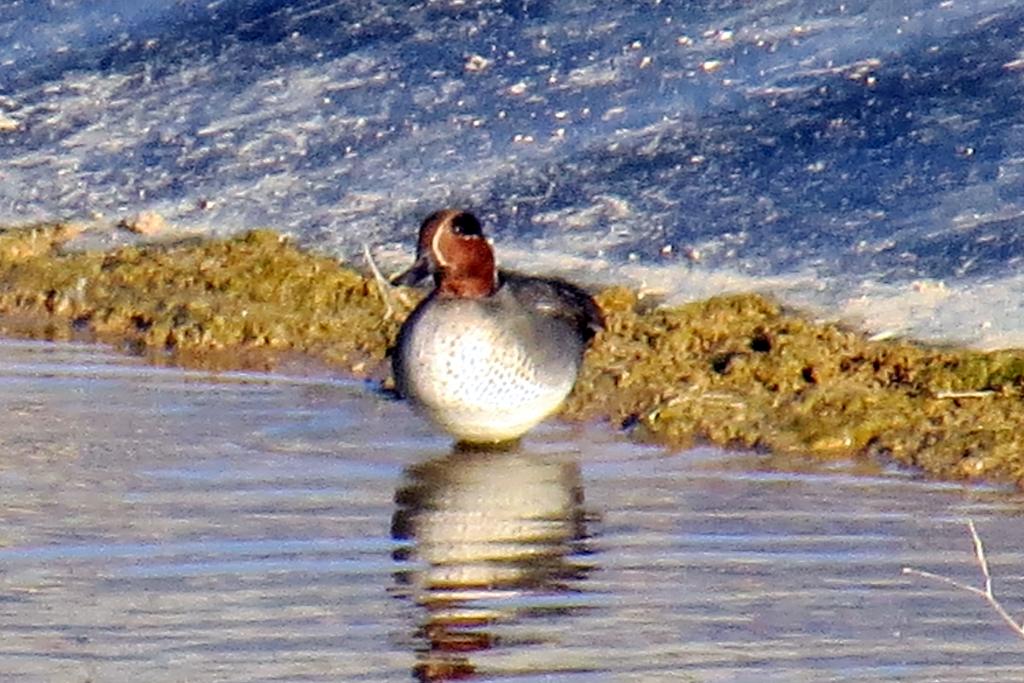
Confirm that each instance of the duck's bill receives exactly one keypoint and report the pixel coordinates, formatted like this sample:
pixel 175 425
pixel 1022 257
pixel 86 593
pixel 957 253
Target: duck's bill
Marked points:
pixel 416 272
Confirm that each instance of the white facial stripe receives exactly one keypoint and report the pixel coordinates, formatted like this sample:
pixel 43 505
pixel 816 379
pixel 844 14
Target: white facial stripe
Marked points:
pixel 435 248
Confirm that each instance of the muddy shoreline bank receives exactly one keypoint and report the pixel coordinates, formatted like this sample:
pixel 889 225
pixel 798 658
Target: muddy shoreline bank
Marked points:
pixel 738 371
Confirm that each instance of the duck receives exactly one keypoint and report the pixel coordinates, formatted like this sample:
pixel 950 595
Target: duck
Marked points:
pixel 489 353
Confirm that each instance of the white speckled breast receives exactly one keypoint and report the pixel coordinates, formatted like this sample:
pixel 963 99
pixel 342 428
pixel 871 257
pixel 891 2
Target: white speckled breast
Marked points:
pixel 488 369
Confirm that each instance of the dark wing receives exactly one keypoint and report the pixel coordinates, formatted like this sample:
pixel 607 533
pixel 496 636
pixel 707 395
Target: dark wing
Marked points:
pixel 557 298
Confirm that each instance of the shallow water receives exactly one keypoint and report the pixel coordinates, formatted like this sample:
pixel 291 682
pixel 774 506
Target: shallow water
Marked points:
pixel 162 525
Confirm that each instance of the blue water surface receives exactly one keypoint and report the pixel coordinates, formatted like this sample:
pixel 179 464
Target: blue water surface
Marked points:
pixel 857 148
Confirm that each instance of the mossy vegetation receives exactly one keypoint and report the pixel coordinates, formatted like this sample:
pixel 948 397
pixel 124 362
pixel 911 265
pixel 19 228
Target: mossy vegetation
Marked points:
pixel 252 302
pixel 742 371
pixel 738 370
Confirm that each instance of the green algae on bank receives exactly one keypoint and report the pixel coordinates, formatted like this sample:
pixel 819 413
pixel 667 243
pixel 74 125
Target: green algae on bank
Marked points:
pixel 246 302
pixel 736 370
pixel 742 371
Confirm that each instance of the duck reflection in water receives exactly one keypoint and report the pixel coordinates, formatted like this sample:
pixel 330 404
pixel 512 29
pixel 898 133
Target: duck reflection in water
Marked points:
pixel 495 543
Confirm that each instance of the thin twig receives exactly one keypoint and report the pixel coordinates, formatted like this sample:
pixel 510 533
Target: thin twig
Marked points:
pixel 979 554
pixel 944 579
pixel 984 393
pixel 383 286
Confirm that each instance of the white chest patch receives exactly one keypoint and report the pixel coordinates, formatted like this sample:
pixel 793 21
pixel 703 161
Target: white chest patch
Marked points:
pixel 479 381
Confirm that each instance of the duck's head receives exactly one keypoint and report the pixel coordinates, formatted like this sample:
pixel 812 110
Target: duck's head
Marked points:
pixel 453 249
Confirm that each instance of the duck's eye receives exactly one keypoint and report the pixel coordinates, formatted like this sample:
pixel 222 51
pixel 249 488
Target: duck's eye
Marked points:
pixel 466 224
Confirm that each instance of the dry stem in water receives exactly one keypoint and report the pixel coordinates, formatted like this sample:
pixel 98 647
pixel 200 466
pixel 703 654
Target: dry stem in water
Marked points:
pixel 986 592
